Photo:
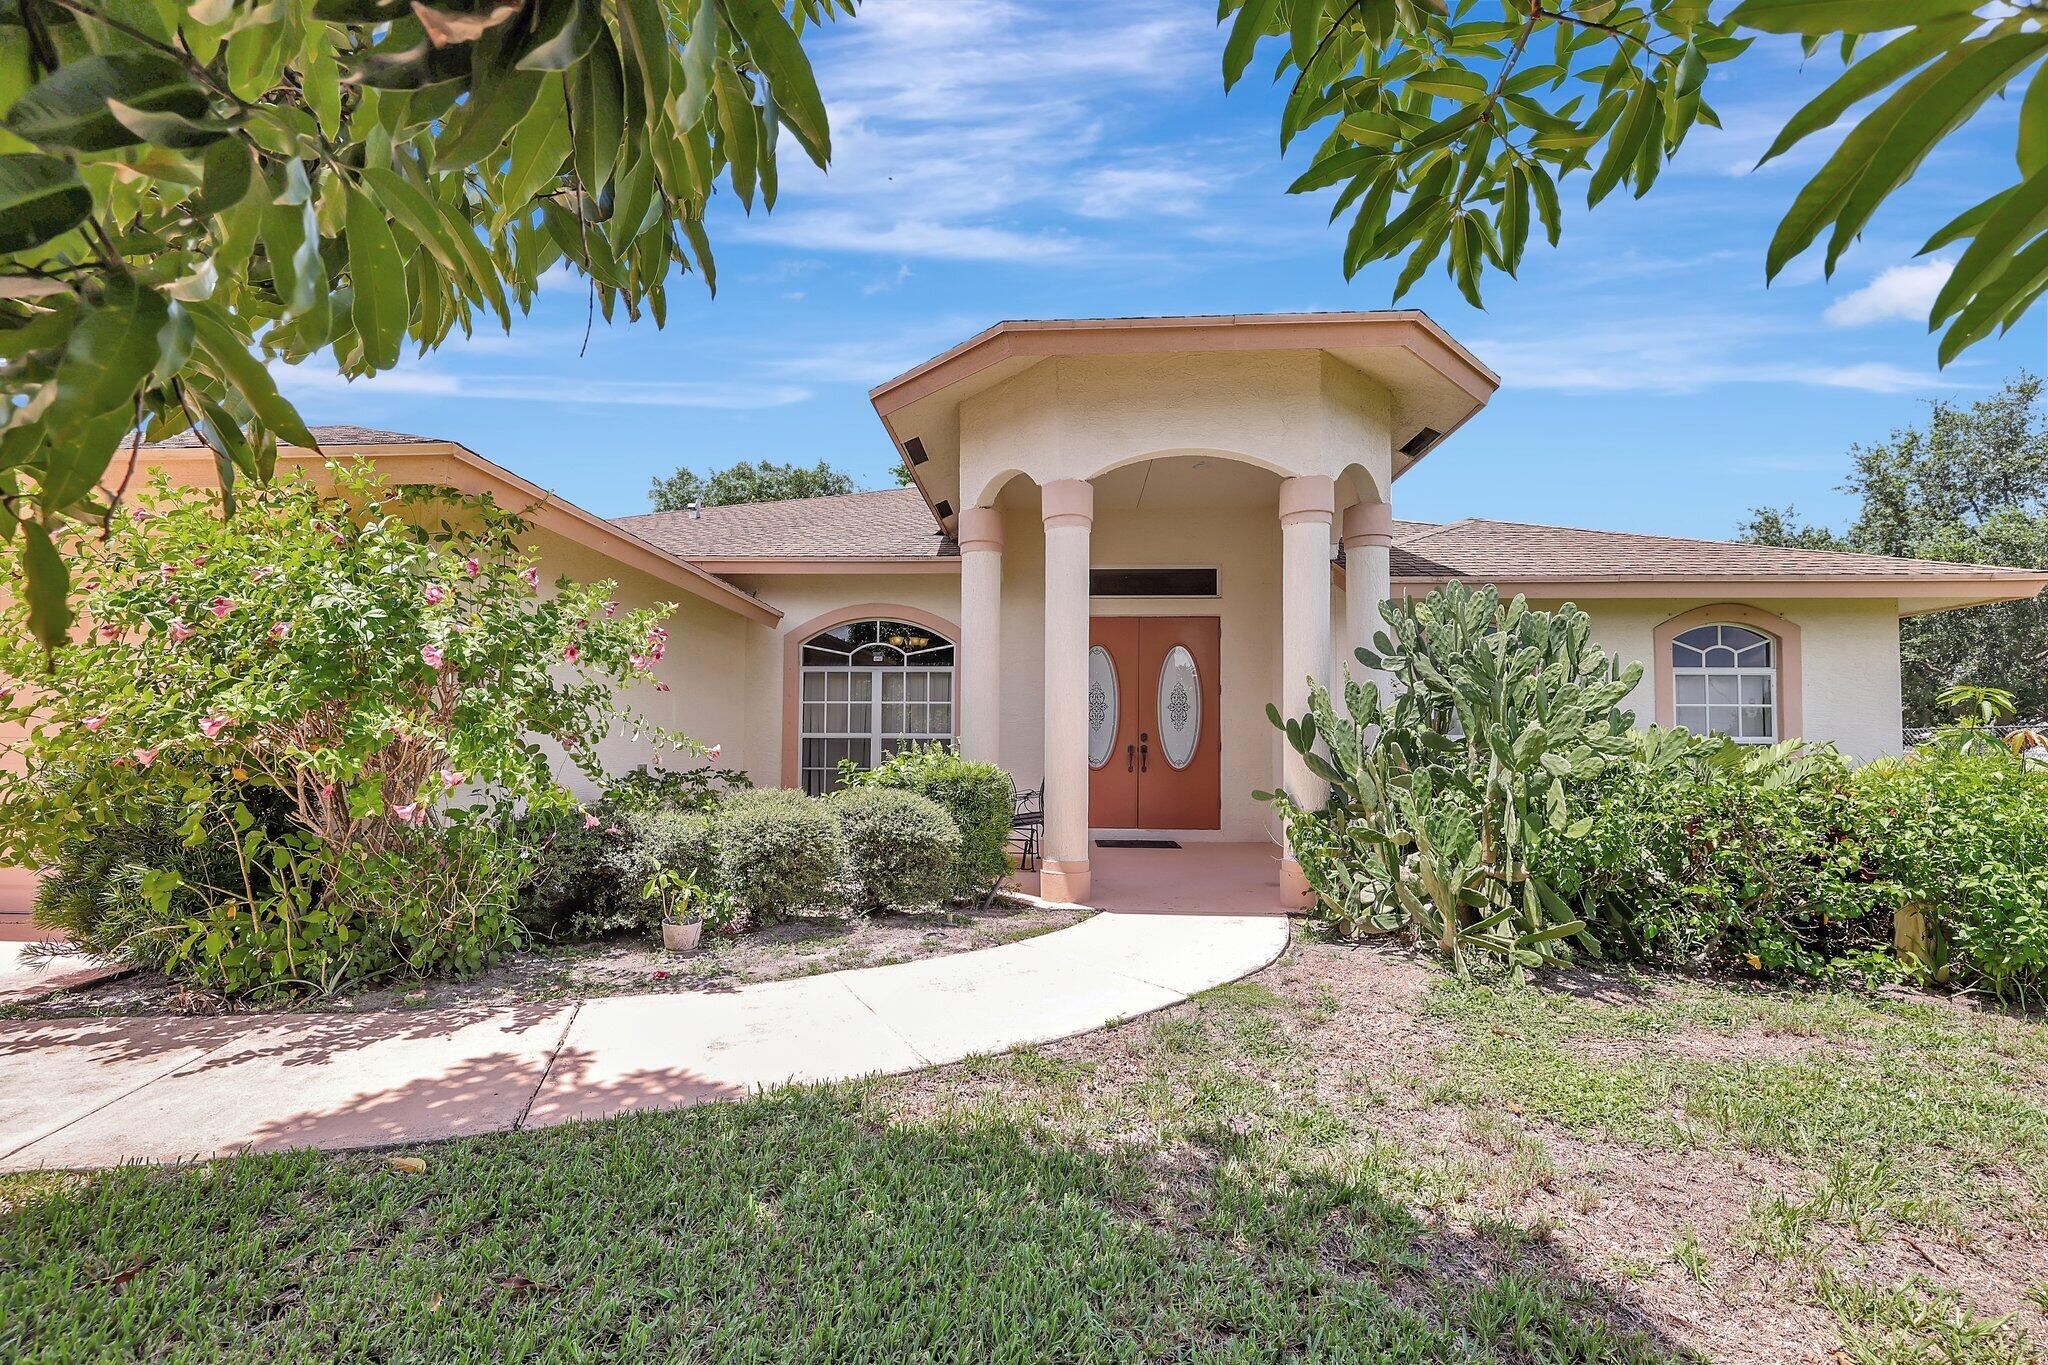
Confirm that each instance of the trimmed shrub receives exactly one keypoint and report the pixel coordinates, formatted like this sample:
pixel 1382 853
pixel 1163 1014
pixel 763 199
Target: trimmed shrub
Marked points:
pixel 779 851
pixel 647 842
pixel 901 849
pixel 1965 837
pixel 976 796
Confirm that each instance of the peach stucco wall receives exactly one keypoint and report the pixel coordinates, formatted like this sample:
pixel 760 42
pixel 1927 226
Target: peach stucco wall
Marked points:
pixel 1291 412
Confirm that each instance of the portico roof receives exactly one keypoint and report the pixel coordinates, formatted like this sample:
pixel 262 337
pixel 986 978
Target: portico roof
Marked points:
pixel 1439 383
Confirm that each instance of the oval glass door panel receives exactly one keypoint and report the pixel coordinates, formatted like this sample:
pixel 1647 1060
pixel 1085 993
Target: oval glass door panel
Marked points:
pixel 1180 707
pixel 1102 706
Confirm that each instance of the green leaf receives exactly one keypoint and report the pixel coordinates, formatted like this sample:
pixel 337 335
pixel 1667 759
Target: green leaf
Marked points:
pixel 1880 69
pixel 1626 141
pixel 68 109
pixel 225 174
pixel 291 240
pixel 48 589
pixel 477 130
pixel 2014 286
pixel 2020 216
pixel 775 50
pixel 597 102
pixel 41 199
pixel 377 273
pixel 2032 148
pixel 166 128
pixel 582 22
pixel 1844 16
pixel 216 340
pixel 699 54
pixel 1254 18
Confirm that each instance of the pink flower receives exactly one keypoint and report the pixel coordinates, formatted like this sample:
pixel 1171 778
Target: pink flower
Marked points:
pixel 110 631
pixel 661 687
pixel 657 634
pixel 611 609
pixel 213 726
pixel 145 757
pixel 436 594
pixel 139 514
pixel 221 606
pixel 590 821
pixel 532 577
pixel 714 751
pixel 180 632
pixel 410 814
pixel 611 829
pixel 280 629
pixel 572 654
pixel 432 656
pixel 199 561
pixel 450 779
pixel 164 572
pixel 471 567
pixel 642 661
pixel 92 723
pixel 261 572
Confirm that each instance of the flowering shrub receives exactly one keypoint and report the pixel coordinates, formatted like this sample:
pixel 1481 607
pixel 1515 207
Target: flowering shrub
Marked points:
pixel 382 661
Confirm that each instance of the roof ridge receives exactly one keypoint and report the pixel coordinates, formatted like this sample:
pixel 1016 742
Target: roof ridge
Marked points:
pixel 733 507
pixel 1438 528
pixel 1742 544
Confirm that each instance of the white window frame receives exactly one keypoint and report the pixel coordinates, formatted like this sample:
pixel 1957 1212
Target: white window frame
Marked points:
pixel 1706 673
pixel 880 740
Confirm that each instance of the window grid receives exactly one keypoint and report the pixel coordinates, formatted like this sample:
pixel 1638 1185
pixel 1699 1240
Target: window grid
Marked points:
pixel 1725 682
pixel 863 697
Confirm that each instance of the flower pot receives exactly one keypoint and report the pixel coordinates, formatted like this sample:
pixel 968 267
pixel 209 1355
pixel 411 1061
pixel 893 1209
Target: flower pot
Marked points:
pixel 681 937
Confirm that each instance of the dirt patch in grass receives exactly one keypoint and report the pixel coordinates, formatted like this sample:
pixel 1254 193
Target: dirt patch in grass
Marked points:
pixel 620 966
pixel 1750 1174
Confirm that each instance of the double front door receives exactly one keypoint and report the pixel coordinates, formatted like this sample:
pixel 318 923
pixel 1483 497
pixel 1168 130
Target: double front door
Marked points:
pixel 1154 750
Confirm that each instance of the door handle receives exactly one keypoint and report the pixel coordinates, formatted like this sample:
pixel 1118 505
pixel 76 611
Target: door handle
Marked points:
pixel 1144 753
pixel 1129 749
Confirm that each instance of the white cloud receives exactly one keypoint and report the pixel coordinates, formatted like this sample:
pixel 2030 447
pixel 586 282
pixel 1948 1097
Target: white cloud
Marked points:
pixel 869 358
pixel 1904 293
pixel 976 130
pixel 1624 355
pixel 318 379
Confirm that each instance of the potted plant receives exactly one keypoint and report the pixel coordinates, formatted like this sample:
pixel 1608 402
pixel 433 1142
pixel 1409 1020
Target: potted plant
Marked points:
pixel 677 893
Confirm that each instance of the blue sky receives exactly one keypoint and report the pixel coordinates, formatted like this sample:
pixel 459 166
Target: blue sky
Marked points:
pixel 1045 158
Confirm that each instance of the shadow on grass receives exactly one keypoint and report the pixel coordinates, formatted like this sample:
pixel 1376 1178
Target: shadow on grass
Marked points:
pixel 801 1225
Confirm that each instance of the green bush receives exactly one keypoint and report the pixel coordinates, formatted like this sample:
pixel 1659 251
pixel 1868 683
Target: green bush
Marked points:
pixel 1707 853
pixel 647 842
pixel 779 851
pixel 1965 836
pixel 901 849
pixel 586 880
pixel 976 795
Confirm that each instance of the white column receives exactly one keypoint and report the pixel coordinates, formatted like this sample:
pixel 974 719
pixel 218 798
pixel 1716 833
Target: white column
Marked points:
pixel 1368 582
pixel 981 630
pixel 1069 518
pixel 1308 505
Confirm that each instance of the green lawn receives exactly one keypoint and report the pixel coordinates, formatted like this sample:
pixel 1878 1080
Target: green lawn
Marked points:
pixel 1348 1157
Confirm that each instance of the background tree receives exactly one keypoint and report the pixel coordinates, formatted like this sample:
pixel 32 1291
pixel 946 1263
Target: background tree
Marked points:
pixel 188 191
pixel 1451 130
pixel 1969 487
pixel 747 481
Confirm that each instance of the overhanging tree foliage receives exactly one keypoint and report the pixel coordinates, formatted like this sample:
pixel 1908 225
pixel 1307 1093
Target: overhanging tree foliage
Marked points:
pixel 1970 487
pixel 1452 131
pixel 190 193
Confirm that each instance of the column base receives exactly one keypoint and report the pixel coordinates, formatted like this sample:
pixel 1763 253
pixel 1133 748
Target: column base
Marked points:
pixel 1295 892
pixel 1063 881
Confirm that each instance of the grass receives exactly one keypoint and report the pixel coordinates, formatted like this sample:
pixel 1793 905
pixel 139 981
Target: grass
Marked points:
pixel 1297 1166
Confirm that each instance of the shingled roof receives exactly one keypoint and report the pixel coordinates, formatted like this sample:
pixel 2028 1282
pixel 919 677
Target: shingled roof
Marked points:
pixel 891 523
pixel 895 524
pixel 1480 550
pixel 326 436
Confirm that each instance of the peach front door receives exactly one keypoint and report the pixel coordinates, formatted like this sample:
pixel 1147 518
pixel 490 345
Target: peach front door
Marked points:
pixel 1154 752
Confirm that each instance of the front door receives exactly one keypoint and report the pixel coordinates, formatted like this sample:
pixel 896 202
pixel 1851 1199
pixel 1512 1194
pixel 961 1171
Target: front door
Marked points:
pixel 1155 755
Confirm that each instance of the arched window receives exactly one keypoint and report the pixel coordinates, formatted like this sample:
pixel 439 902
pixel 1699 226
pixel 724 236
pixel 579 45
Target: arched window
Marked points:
pixel 869 688
pixel 1724 681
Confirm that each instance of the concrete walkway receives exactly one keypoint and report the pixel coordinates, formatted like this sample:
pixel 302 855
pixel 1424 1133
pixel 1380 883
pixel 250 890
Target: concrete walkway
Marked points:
pixel 94 1092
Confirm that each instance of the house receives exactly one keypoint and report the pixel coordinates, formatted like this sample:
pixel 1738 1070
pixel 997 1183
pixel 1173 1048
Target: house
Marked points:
pixel 1125 537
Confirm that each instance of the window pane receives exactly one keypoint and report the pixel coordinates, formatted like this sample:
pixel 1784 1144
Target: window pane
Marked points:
pixel 1724 720
pixel 814 716
pixel 861 687
pixel 1699 637
pixel 814 687
pixel 917 683
pixel 942 687
pixel 1756 689
pixel 892 687
pixel 1693 718
pixel 892 717
pixel 1721 687
pixel 1756 722
pixel 835 686
pixel 1717 657
pixel 1756 656
pixel 941 719
pixel 1692 689
pixel 1740 637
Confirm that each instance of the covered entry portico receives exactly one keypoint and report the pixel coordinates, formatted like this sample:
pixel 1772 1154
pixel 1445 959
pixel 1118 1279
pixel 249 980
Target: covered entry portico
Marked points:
pixel 1124 491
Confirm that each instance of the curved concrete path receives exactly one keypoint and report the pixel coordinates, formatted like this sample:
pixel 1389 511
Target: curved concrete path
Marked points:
pixel 95 1092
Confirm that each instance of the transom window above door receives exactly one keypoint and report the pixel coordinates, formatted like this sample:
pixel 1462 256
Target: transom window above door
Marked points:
pixel 869 688
pixel 1724 681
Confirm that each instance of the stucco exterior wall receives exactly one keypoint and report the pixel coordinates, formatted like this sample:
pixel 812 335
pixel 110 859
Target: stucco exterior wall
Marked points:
pixel 1292 412
pixel 1849 682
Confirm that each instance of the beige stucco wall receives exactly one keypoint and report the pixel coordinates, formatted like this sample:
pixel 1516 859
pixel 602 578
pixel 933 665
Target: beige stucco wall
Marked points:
pixel 1292 412
pixel 1849 672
